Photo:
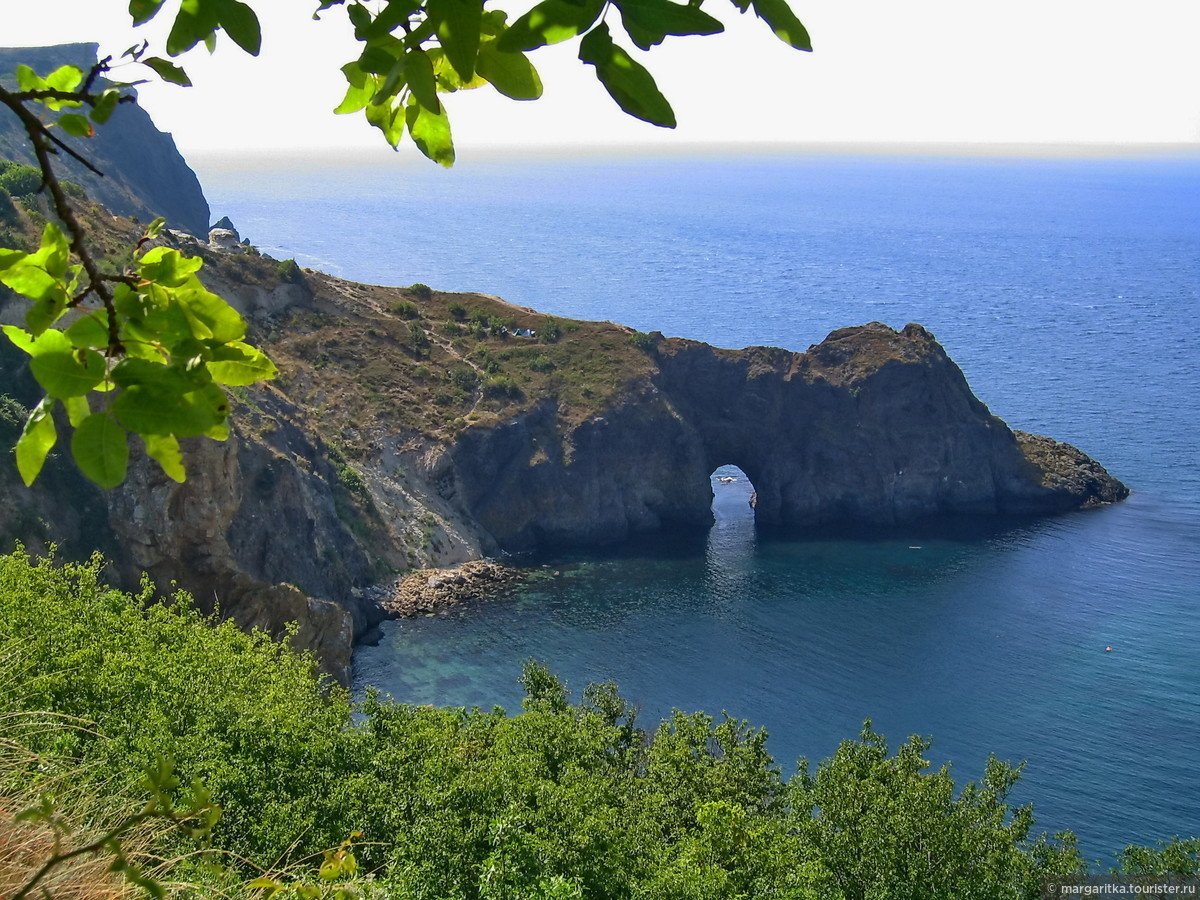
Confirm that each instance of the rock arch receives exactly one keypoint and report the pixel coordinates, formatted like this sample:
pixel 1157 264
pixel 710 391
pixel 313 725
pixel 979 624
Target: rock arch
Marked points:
pixel 870 427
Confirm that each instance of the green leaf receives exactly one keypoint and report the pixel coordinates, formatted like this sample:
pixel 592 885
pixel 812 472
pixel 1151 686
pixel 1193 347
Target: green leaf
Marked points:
pixel 143 11
pixel 627 82
pixel 650 21
pixel 240 364
pixel 418 69
pixel 29 80
pixel 783 22
pixel 155 408
pixel 168 71
pixel 168 267
pixel 58 366
pixel 195 22
pixel 37 439
pixel 101 449
pixel 240 23
pixel 458 25
pixel 164 449
pixel 512 74
pixel 362 88
pixel 224 323
pixel 78 409
pixel 388 118
pixel 65 78
pixel 64 371
pixel 76 125
pixel 550 22
pixel 37 275
pixel 431 133
pixel 447 78
pixel 20 338
pixel 105 106
pixel 90 330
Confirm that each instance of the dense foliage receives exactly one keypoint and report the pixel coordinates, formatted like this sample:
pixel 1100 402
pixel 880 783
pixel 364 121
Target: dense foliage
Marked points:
pixel 561 800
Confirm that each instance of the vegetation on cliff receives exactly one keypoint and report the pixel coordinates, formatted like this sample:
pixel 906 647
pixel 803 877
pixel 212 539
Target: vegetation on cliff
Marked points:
pixel 560 800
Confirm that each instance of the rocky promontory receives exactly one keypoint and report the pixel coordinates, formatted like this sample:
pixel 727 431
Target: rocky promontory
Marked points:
pixel 412 430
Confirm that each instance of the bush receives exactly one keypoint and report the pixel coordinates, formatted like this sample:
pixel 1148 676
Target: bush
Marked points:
pixel 550 331
pixel 289 270
pixel 417 337
pixel 422 292
pixel 464 377
pixel 541 363
pixel 20 181
pixel 405 309
pixel 644 341
pixel 500 386
pixel 563 799
pixel 457 311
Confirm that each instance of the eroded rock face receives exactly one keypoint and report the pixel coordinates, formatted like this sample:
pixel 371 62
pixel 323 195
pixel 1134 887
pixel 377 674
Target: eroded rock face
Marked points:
pixel 870 427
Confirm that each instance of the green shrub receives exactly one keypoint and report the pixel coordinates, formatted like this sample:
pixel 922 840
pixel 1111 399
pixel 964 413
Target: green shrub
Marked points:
pixel 417 338
pixel 644 341
pixel 20 181
pixel 289 270
pixel 405 309
pixel 350 479
pixel 563 799
pixel 550 331
pixel 457 311
pixel 422 292
pixel 501 386
pixel 464 376
pixel 541 363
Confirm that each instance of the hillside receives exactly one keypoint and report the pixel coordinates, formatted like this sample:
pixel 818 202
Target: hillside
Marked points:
pixel 412 428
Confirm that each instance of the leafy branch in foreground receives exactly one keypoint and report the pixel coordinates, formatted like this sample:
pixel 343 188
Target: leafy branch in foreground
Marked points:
pixel 142 350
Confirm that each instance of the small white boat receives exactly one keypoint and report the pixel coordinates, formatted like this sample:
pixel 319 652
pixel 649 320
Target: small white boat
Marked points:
pixel 727 479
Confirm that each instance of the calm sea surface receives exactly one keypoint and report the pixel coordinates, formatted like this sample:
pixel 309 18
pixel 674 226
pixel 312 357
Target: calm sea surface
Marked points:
pixel 1069 293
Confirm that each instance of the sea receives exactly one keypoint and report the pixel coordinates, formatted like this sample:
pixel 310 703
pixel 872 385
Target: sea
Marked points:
pixel 1067 289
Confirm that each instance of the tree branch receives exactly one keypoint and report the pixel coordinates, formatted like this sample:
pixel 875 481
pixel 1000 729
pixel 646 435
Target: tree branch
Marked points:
pixel 43 149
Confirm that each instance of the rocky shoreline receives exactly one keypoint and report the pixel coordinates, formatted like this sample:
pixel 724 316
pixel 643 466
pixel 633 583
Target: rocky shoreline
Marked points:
pixel 427 591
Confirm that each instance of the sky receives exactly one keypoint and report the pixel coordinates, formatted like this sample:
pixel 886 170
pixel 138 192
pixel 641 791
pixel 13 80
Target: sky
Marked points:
pixel 954 72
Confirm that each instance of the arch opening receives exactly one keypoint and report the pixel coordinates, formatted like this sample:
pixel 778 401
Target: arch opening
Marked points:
pixel 733 536
pixel 732 496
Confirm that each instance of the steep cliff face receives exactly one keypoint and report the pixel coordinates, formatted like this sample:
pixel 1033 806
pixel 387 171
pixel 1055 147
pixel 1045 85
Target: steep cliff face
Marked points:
pixel 870 427
pixel 144 174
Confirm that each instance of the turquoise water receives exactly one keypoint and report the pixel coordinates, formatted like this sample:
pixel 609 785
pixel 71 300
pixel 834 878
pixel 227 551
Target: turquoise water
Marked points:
pixel 1069 292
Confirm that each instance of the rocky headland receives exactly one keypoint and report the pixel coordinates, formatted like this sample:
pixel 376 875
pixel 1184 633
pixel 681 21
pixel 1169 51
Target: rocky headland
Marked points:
pixel 412 430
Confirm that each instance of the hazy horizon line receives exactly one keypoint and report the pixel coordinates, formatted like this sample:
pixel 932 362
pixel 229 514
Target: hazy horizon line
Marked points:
pixel 963 149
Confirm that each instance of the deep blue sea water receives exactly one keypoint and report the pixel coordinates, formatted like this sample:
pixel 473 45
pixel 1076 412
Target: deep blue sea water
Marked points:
pixel 1069 293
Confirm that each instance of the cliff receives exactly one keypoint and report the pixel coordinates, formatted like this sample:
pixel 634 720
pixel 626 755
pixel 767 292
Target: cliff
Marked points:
pixel 144 174
pixel 411 428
